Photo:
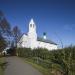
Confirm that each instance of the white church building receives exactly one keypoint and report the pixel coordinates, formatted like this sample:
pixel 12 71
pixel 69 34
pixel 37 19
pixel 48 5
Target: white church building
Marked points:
pixel 31 40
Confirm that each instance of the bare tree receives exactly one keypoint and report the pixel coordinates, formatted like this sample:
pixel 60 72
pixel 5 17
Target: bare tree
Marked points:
pixel 16 34
pixel 4 25
pixel 5 30
pixel 2 43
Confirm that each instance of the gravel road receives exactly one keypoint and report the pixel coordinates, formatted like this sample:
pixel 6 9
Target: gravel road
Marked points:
pixel 16 66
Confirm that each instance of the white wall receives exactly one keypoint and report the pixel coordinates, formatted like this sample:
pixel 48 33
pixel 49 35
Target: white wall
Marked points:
pixel 46 45
pixel 27 42
pixel 23 42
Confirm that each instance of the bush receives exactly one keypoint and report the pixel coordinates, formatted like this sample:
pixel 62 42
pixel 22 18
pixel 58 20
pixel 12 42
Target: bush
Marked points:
pixel 63 59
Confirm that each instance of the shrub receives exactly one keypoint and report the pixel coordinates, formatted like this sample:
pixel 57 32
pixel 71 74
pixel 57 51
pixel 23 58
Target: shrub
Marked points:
pixel 62 59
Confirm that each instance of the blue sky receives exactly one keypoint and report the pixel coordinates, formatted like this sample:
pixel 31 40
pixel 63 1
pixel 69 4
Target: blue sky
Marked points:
pixel 55 17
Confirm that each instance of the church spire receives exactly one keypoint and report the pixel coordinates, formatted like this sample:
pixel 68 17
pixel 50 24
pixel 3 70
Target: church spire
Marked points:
pixel 31 21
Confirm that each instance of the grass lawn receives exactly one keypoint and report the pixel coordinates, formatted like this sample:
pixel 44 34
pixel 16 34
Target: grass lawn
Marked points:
pixel 2 60
pixel 44 71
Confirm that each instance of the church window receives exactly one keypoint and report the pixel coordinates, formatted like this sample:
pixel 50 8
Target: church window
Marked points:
pixel 33 25
pixel 30 25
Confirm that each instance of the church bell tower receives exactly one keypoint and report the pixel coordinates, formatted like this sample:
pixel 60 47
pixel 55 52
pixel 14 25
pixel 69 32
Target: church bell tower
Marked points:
pixel 32 26
pixel 32 33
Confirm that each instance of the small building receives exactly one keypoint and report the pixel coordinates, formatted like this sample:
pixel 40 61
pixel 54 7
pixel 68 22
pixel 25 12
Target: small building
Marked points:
pixel 31 40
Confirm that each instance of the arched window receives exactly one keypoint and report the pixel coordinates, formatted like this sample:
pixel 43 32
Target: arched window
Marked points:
pixel 30 25
pixel 33 25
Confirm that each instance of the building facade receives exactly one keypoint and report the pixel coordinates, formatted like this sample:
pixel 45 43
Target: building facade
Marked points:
pixel 31 40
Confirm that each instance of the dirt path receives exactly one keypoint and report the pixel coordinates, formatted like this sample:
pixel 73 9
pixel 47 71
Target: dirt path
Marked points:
pixel 16 66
